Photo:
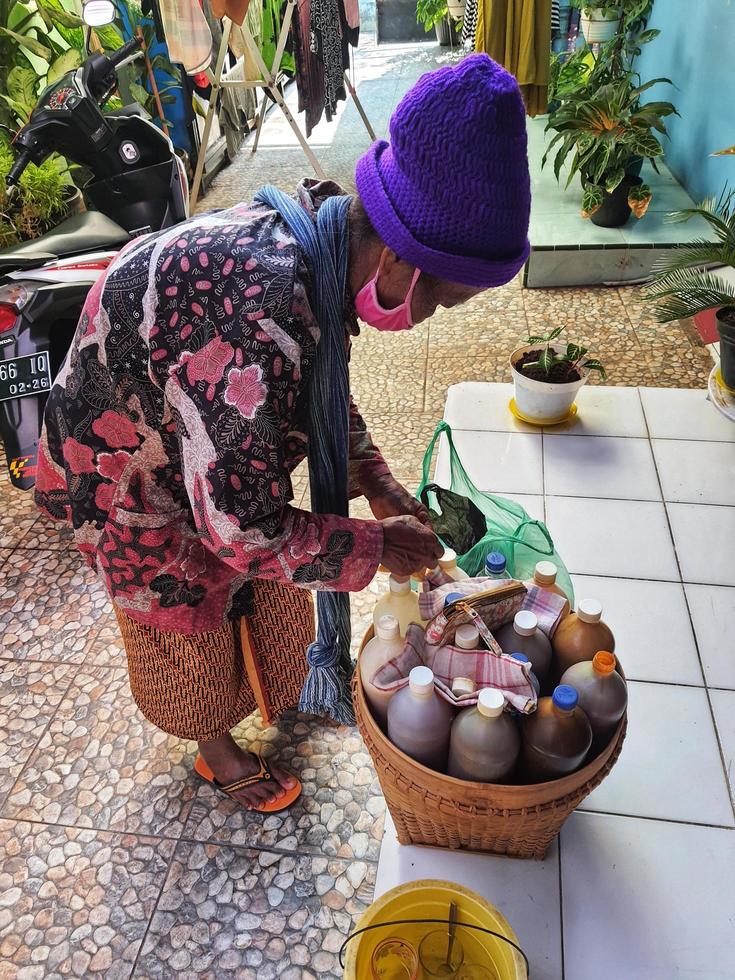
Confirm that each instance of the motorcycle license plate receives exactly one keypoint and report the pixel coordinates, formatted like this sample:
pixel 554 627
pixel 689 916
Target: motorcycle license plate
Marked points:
pixel 23 376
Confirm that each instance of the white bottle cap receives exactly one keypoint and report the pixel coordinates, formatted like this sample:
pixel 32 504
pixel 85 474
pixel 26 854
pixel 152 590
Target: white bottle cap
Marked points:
pixel 448 559
pixel 525 623
pixel 467 637
pixel 545 572
pixel 462 686
pixel 421 681
pixel 399 584
pixel 589 611
pixel 490 702
pixel 387 628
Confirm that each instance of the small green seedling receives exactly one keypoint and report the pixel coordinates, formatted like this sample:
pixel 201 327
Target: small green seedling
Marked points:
pixel 574 356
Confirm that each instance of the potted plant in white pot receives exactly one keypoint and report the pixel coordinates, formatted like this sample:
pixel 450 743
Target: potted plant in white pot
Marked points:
pixel 600 20
pixel 683 285
pixel 547 374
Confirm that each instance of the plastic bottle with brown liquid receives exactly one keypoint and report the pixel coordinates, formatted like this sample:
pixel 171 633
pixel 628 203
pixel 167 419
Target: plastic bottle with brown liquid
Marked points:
pixel 580 636
pixel 554 739
pixel 603 695
pixel 419 720
pixel 399 601
pixel 484 741
pixel 524 636
pixel 384 646
pixel 544 576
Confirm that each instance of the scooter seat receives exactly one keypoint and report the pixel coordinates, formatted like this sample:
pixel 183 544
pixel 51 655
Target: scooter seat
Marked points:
pixel 85 232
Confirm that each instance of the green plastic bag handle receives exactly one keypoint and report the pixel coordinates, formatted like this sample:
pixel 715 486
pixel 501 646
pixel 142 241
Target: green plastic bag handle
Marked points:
pixel 443 428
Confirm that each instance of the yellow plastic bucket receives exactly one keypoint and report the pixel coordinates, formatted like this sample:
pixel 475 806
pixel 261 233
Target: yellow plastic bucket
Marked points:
pixel 430 899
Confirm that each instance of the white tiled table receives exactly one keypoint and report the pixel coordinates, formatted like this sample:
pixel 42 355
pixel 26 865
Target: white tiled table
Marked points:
pixel 639 495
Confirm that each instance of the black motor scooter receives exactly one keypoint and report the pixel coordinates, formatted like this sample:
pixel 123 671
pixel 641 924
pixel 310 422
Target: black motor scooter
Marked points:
pixel 138 185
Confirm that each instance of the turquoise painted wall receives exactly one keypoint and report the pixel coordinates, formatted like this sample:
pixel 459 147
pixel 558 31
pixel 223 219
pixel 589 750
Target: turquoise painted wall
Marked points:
pixel 696 50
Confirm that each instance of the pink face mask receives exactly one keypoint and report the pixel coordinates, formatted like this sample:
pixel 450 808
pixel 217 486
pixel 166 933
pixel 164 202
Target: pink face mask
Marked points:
pixel 369 308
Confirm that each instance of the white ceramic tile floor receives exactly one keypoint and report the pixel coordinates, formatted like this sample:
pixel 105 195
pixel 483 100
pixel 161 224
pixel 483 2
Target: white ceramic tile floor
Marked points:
pixel 704 539
pixel 626 538
pixel 593 466
pixel 600 411
pixel 647 900
pixel 723 705
pixel 670 767
pixel 476 405
pixel 648 863
pixel 684 413
pixel 653 647
pixel 696 472
pixel 712 610
pixel 501 462
pixel 526 892
pixel 605 411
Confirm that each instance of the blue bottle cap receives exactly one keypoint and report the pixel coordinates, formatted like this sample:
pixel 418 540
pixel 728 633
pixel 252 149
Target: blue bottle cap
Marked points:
pixel 495 562
pixel 522 657
pixel 452 597
pixel 565 697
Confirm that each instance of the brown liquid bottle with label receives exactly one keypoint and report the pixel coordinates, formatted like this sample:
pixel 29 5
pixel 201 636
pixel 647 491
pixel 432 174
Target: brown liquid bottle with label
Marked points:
pixel 580 635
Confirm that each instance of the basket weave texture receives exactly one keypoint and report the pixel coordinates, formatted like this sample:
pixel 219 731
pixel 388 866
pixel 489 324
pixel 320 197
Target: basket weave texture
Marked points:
pixel 432 808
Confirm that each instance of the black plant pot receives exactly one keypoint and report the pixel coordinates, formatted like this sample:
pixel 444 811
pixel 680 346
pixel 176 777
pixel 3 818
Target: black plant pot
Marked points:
pixel 615 210
pixel 446 33
pixel 726 330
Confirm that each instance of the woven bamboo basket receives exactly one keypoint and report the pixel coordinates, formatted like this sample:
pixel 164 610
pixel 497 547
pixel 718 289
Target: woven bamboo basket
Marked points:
pixel 431 808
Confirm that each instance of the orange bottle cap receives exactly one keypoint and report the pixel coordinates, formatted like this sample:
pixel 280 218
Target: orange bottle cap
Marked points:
pixel 604 662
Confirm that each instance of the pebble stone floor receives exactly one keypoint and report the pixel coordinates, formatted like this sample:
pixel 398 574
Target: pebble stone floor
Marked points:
pixel 114 860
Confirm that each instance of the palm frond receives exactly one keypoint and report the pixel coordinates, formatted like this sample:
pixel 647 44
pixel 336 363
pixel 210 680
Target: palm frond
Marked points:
pixel 685 292
pixel 719 212
pixel 695 254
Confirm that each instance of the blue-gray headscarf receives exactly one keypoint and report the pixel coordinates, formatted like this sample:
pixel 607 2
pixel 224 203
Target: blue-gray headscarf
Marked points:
pixel 326 245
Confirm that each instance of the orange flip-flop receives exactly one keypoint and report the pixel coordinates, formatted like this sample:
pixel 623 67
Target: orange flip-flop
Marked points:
pixel 264 775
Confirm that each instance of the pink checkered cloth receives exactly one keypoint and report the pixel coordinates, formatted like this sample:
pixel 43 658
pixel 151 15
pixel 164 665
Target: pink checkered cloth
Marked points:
pixel 484 667
pixel 547 606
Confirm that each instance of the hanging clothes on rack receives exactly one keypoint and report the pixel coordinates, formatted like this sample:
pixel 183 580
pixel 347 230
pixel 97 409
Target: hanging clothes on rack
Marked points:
pixel 188 36
pixel 326 43
pixel 517 34
pixel 469 25
pixel 309 69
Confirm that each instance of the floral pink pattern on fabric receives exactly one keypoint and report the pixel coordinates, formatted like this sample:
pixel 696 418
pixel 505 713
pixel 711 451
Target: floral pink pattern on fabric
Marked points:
pixel 79 458
pixel 111 465
pixel 210 362
pixel 171 448
pixel 116 430
pixel 245 390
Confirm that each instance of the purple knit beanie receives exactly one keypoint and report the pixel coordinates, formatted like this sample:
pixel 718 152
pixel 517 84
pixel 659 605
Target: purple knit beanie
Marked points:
pixel 450 193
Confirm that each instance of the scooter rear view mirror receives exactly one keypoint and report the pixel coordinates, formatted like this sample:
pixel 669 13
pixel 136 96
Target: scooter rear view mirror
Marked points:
pixel 97 13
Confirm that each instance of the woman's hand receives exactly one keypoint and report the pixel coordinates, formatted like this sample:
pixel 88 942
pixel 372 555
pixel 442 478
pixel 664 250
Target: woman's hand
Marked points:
pixel 408 545
pixel 389 499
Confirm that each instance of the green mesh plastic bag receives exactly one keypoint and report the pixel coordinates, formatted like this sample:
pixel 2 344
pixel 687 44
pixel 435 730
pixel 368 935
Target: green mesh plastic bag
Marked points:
pixel 475 523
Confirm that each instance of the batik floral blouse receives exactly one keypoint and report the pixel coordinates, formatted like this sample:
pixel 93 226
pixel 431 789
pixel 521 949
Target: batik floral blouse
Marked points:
pixel 179 415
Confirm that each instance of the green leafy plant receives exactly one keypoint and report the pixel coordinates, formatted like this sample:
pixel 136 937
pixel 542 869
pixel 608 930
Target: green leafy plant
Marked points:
pixel 137 70
pixel 429 13
pixel 572 355
pixel 627 10
pixel 603 7
pixel 682 286
pixel 602 133
pixel 40 202
pixel 40 40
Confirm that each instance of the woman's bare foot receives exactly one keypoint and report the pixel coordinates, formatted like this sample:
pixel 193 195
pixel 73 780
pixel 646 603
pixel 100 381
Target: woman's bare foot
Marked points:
pixel 229 763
